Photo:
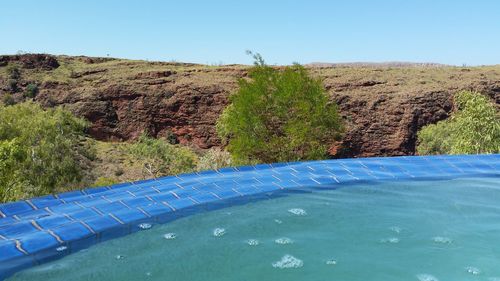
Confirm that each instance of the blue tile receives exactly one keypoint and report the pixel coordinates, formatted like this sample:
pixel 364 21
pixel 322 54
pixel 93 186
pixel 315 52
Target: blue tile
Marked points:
pixel 204 198
pixel 7 221
pixel 8 250
pixel 101 223
pixel 34 214
pixel 15 208
pixel 129 215
pixel 72 231
pixel 37 241
pixel 18 229
pixel 181 203
pixel 83 214
pixel 52 221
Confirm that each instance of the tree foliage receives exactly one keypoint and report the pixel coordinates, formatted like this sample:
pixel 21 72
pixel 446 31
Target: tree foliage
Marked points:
pixel 474 127
pixel 279 115
pixel 41 151
pixel 159 158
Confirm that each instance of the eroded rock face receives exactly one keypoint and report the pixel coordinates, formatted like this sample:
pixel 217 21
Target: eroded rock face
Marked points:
pixel 383 107
pixel 32 61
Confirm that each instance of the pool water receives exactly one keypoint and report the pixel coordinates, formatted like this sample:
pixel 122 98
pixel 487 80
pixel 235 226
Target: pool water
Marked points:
pixel 421 230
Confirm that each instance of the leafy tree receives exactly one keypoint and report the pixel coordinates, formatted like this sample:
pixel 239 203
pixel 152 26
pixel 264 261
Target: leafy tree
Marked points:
pixel 159 158
pixel 41 151
pixel 279 115
pixel 473 128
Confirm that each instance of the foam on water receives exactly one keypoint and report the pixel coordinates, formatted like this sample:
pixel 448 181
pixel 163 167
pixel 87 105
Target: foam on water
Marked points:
pixel 473 270
pixel 331 262
pixel 396 229
pixel 169 236
pixel 252 242
pixel 391 240
pixel 218 232
pixel 297 211
pixel 427 277
pixel 283 241
pixel 442 240
pixel 288 261
pixel 145 226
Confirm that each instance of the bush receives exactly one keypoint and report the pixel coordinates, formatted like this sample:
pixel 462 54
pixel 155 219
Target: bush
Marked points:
pixel 104 181
pixel 12 85
pixel 159 158
pixel 41 151
pixel 31 90
pixel 473 128
pixel 13 71
pixel 213 159
pixel 8 99
pixel 279 115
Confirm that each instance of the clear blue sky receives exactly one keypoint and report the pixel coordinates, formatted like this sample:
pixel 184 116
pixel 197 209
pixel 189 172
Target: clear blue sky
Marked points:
pixel 443 31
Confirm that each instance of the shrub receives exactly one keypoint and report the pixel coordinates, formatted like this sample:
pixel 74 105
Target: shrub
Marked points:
pixel 159 158
pixel 12 85
pixel 473 128
pixel 104 181
pixel 214 158
pixel 31 90
pixel 13 71
pixel 41 150
pixel 8 99
pixel 279 115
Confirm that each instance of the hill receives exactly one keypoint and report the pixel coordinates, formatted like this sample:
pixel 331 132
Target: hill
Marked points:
pixel 384 105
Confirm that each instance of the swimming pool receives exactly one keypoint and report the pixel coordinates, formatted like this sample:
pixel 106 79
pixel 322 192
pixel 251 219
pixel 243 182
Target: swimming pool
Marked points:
pixel 402 218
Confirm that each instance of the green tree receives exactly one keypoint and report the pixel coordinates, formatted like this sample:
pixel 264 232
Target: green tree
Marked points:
pixel 159 158
pixel 42 150
pixel 474 127
pixel 279 115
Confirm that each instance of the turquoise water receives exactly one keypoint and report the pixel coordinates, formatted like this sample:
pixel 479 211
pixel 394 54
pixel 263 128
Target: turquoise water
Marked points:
pixel 440 230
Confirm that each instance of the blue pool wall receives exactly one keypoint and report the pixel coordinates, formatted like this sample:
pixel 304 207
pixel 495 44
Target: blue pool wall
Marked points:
pixel 46 228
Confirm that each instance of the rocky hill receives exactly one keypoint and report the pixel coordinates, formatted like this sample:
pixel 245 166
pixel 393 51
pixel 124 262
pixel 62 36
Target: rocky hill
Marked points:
pixel 384 105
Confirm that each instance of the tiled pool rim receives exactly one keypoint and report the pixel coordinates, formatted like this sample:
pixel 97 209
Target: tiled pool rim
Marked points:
pixel 46 228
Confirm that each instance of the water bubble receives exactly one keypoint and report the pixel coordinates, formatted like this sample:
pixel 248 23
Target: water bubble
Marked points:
pixel 219 232
pixel 283 241
pixel 145 226
pixel 392 240
pixel 331 262
pixel 169 236
pixel 119 257
pixel 396 229
pixel 298 211
pixel 443 240
pixel 427 277
pixel 148 274
pixel 61 248
pixel 253 242
pixel 278 221
pixel 288 261
pixel 473 270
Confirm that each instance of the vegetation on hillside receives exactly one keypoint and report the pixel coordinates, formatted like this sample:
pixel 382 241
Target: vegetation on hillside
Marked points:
pixel 279 115
pixel 473 128
pixel 41 151
pixel 47 151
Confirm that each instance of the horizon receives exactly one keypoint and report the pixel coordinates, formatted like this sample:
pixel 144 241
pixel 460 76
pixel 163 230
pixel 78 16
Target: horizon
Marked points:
pixel 449 32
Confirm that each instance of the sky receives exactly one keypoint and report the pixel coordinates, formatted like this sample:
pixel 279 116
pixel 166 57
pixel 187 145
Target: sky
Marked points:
pixel 219 32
